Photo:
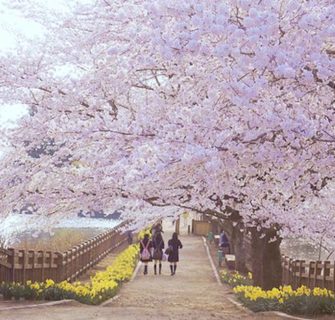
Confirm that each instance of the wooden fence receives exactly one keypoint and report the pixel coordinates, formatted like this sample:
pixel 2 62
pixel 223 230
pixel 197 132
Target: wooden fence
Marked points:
pixel 300 272
pixel 295 272
pixel 22 265
pixel 311 274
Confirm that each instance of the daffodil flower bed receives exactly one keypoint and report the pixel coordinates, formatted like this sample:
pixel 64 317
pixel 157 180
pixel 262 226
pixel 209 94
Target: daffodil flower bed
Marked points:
pixel 103 285
pixel 302 301
pixel 235 279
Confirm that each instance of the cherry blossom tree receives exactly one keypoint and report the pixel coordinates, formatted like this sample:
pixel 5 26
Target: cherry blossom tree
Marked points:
pixel 225 108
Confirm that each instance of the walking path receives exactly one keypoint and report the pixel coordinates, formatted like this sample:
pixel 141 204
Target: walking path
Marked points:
pixel 193 293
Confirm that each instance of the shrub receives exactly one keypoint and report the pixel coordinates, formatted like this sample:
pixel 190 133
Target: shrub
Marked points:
pixel 5 290
pixel 54 293
pixel 17 290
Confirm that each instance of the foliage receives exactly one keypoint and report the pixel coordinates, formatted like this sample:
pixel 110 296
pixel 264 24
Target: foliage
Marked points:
pixel 198 104
pixel 5 290
pixel 144 231
pixel 103 285
pixel 235 279
pixel 300 301
pixel 147 230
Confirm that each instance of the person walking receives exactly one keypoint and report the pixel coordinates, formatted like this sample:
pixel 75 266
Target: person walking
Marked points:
pixel 224 243
pixel 156 228
pixel 145 252
pixel 130 237
pixel 174 245
pixel 158 245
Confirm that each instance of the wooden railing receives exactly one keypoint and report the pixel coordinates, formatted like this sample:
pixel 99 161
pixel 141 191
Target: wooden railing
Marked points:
pixel 22 265
pixel 300 272
pixel 311 274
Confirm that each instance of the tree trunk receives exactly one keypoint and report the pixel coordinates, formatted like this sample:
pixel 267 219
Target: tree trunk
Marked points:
pixel 239 250
pixel 236 243
pixel 256 258
pixel 266 259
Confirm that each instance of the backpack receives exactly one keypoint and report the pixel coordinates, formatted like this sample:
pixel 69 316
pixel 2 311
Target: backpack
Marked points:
pixel 145 255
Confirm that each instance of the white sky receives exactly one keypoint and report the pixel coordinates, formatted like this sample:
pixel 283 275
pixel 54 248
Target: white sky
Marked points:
pixel 9 114
pixel 15 28
pixel 12 28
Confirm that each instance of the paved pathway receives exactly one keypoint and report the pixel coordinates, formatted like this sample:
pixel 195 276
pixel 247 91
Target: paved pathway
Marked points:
pixel 193 293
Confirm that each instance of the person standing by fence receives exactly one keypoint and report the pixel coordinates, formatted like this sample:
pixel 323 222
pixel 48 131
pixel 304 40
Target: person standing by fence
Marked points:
pixel 145 252
pixel 158 245
pixel 174 245
pixel 210 237
pixel 224 243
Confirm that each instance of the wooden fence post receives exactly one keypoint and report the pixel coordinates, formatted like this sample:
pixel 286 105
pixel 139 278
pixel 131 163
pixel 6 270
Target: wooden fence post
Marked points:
pixel 290 270
pixel 12 262
pixel 24 263
pixel 315 273
pixel 43 265
pixel 326 269
pixel 32 271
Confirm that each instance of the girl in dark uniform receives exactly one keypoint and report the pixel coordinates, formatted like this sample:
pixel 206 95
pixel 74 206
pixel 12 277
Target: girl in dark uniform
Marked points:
pixel 174 245
pixel 158 244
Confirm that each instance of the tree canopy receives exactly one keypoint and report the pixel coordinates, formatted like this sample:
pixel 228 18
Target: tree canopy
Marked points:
pixel 204 105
